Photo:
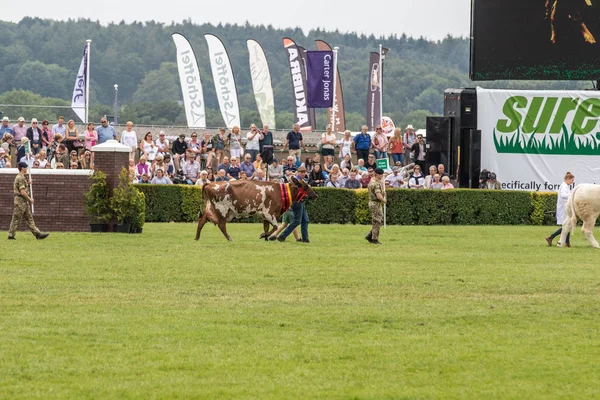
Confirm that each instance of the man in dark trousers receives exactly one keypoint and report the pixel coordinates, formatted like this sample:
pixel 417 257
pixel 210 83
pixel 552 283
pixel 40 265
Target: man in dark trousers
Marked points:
pixel 419 151
pixel 300 218
pixel 21 204
pixel 361 144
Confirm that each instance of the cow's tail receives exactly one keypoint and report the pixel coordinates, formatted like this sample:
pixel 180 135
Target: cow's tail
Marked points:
pixel 571 210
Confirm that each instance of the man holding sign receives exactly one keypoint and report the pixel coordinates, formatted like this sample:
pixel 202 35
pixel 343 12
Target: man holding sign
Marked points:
pixel 21 203
pixel 376 199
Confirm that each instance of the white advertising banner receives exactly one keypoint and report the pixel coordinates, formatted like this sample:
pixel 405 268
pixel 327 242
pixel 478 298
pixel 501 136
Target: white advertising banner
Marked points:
pixel 261 83
pixel 530 139
pixel 191 86
pixel 224 81
pixel 79 91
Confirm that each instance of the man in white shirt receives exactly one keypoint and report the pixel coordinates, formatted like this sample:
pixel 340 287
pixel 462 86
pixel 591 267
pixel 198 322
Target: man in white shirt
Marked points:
pixel 394 179
pixel 253 143
pixel 162 144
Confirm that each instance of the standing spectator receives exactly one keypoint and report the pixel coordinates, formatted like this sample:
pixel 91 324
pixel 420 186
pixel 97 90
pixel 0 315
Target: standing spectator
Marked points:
pixel 247 166
pixel 253 142
pixel 362 143
pixel 34 134
pixel 19 130
pixel 360 166
pixel 380 143
pixel 208 149
pixel 344 177
pixel 316 177
pixel 416 180
pixel 266 139
pixel 62 154
pixel 418 148
pixel 346 145
pixel 71 136
pixel 224 165
pixel 162 144
pixel 148 148
pixel 91 136
pixel 142 168
pixel 328 142
pixel 57 139
pixel 179 149
pixel 275 171
pixel 396 147
pixel 395 179
pixel 371 162
pixel 220 143
pixel 60 127
pixel 437 183
pixel 429 178
pixel 5 127
pixel 160 178
pixel 105 131
pixel 21 152
pixel 235 143
pixel 346 162
pixel 47 135
pixel 442 171
pixel 195 146
pixel 295 142
pixel 234 169
pixel 129 138
pixel 352 182
pixel 191 169
pixel 409 139
pixel 446 183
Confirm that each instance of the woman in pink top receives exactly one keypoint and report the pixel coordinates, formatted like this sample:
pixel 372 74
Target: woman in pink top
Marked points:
pixel 446 183
pixel 91 136
pixel 381 143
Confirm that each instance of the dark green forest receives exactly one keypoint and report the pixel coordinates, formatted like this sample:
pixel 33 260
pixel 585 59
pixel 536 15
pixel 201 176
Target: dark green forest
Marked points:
pixel 40 59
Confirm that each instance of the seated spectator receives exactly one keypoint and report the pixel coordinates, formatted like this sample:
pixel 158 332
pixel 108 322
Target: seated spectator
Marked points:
pixel 243 176
pixel 62 156
pixel 247 166
pixel 260 174
pixel 3 158
pixel 258 162
pixel 221 176
pixel 160 178
pixel 361 166
pixel 429 178
pixel 416 180
pixel 352 182
pixel 85 161
pixel 437 183
pixel 195 146
pixel 159 163
pixel 208 149
pixel 234 169
pixel 179 149
pixel 328 166
pixel 132 170
pixel 21 148
pixel 145 178
pixel 395 179
pixel 335 169
pixel 203 180
pixel 142 168
pixel 493 183
pixel 309 164
pixel 191 168
pixel 346 162
pixel 224 165
pixel 344 177
pixel 371 162
pixel 287 175
pixel 275 171
pixel 442 171
pixel 316 177
pixel 74 165
pixel 332 181
pixel 210 177
pixel 43 158
pixel 446 183
pixel 36 164
pixel 366 178
pixel 290 166
pixel 170 171
pixel 60 165
pixel 53 149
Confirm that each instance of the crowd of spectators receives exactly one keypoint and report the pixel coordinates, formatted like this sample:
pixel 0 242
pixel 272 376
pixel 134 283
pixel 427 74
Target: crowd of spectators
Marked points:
pixel 227 156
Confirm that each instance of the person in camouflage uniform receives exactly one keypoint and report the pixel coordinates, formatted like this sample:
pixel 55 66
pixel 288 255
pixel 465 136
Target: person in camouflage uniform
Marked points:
pixel 376 200
pixel 22 201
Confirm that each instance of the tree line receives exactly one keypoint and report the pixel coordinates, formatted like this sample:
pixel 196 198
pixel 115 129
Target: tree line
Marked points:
pixel 40 58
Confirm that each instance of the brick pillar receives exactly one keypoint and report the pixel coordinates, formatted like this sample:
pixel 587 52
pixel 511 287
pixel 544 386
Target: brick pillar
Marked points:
pixel 110 157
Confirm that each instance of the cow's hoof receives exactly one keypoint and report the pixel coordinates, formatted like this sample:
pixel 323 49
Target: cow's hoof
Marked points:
pixel 263 235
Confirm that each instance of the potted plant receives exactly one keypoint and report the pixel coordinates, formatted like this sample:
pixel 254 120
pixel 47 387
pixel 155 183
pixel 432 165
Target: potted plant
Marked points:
pixel 138 212
pixel 123 202
pixel 97 203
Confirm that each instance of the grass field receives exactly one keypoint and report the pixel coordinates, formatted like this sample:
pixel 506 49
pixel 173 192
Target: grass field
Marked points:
pixel 436 312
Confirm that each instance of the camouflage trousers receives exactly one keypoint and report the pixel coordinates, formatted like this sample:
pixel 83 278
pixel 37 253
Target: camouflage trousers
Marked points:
pixel 21 211
pixel 376 219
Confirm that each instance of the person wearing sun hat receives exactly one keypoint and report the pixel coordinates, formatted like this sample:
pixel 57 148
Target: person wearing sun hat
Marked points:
pixel 409 139
pixel 376 200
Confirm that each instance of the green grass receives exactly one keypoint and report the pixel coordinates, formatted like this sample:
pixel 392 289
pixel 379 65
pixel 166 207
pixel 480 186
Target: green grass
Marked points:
pixel 565 144
pixel 436 312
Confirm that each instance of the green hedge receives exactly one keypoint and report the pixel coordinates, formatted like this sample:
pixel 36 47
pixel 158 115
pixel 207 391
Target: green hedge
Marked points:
pixel 182 203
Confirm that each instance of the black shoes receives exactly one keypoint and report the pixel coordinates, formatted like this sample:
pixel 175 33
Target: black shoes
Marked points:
pixel 376 241
pixel 280 239
pixel 42 236
pixel 12 238
pixel 369 237
pixel 305 240
pixel 298 240
pixel 273 238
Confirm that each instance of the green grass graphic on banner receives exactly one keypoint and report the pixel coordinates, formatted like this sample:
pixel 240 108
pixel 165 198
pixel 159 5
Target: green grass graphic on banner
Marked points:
pixel 566 144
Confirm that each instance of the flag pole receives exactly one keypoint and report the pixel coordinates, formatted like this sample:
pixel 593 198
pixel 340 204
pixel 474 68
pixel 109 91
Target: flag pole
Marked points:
pixel 333 105
pixel 30 181
pixel 380 84
pixel 87 82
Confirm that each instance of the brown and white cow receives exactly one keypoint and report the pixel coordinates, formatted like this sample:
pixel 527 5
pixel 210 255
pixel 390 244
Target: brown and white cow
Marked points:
pixel 584 202
pixel 224 201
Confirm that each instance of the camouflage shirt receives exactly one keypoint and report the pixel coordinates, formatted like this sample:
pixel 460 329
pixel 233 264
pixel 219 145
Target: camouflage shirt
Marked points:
pixel 374 188
pixel 20 183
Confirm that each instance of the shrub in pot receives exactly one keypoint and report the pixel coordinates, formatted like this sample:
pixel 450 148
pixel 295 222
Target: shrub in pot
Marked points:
pixel 123 202
pixel 97 203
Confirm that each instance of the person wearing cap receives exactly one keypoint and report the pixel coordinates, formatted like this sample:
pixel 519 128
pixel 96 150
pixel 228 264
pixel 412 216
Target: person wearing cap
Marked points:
pixel 179 148
pixel 34 134
pixel 5 128
pixel 162 144
pixel 376 200
pixel 302 174
pixel 409 139
pixel 21 156
pixel 105 131
pixel 394 179
pixel 21 206
pixel 19 130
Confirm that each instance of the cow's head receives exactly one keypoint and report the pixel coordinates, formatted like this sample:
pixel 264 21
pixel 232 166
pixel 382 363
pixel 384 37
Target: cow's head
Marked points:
pixel 301 184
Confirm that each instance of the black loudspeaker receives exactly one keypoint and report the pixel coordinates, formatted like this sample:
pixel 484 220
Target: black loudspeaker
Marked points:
pixel 439 130
pixel 267 154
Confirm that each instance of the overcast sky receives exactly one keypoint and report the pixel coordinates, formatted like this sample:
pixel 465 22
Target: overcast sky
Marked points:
pixel 432 19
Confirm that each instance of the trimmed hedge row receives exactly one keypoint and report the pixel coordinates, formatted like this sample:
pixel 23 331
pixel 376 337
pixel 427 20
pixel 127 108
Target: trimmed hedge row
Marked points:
pixel 182 203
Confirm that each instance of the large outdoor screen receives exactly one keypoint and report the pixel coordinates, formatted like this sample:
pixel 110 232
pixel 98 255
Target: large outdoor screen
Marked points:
pixel 535 39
